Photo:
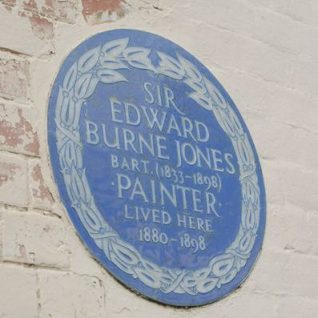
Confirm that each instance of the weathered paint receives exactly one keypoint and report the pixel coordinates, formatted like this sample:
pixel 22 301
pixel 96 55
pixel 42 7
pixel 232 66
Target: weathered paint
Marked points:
pixel 16 131
pixel 7 172
pixel 97 11
pixel 39 189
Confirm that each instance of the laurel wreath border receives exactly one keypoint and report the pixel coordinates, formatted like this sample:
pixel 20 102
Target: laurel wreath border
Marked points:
pixel 101 64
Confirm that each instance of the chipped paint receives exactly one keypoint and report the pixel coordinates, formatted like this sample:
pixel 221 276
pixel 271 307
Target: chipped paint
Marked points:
pixel 30 5
pixel 51 10
pixel 9 4
pixel 17 132
pixel 7 172
pixel 42 27
pixel 98 11
pixel 40 192
pixel 14 78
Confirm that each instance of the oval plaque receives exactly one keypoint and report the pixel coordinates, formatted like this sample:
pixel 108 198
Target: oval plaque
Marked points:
pixel 156 168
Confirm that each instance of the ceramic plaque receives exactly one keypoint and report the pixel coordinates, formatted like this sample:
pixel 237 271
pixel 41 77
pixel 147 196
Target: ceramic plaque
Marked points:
pixel 156 168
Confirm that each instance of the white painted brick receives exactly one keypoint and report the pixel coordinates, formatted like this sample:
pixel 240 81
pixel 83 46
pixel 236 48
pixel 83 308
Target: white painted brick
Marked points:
pixel 273 30
pixel 311 226
pixel 273 183
pixel 291 183
pixel 297 307
pixel 239 53
pixel 17 35
pixel 286 273
pixel 247 305
pixel 240 304
pixel 32 238
pixel 309 155
pixel 305 12
pixel 269 101
pixel 40 194
pixel 18 131
pixel 299 185
pixel 1 235
pixel 13 180
pixel 18 292
pixel 301 76
pixel 131 307
pixel 280 141
pixel 292 230
pixel 70 295
pixel 14 78
pixel 80 253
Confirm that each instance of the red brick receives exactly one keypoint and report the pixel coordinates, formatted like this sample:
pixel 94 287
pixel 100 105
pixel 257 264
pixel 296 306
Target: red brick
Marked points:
pixel 14 78
pixel 17 133
pixel 18 36
pixel 42 28
pixel 98 11
pixel 41 196
pixel 64 11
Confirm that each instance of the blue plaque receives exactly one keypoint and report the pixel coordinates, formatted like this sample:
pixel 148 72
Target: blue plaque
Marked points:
pixel 156 168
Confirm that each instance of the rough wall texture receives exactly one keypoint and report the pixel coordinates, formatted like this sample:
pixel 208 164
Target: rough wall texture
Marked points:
pixel 265 52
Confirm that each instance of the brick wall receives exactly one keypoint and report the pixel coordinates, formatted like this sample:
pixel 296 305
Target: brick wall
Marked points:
pixel 265 53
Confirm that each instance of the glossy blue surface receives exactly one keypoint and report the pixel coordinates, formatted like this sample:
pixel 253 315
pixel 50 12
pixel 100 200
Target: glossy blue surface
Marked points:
pixel 156 168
